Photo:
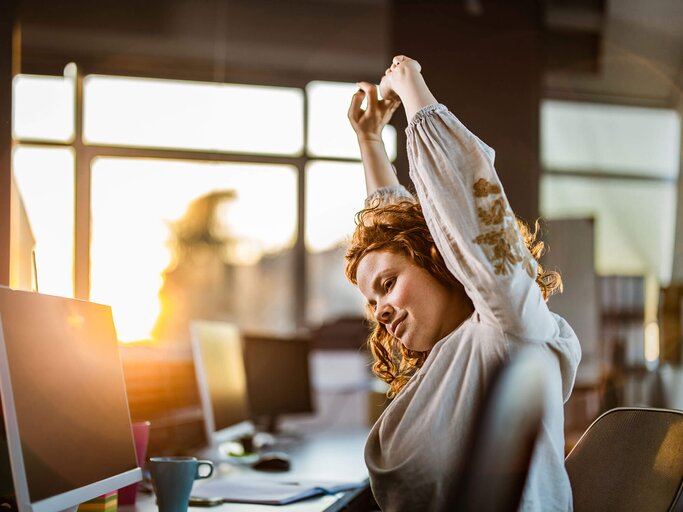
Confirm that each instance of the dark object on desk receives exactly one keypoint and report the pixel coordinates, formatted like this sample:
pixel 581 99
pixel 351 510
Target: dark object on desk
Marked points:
pixel 629 459
pixel 205 502
pixel 494 473
pixel 274 462
pixel 278 379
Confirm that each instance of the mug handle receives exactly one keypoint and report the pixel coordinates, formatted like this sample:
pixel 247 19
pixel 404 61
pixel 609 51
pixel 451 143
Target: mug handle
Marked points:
pixel 201 463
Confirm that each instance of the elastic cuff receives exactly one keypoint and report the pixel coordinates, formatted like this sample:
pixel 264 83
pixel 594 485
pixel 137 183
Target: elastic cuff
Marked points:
pixel 424 112
pixel 390 193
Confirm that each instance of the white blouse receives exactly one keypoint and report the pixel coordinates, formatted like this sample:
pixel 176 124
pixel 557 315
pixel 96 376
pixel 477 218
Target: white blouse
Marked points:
pixel 412 449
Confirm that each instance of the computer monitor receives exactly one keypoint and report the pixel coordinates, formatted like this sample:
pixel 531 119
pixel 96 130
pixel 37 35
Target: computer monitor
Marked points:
pixel 66 420
pixel 219 367
pixel 278 377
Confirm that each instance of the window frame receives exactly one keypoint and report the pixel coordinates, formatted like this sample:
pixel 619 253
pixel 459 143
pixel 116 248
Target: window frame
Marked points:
pixel 86 153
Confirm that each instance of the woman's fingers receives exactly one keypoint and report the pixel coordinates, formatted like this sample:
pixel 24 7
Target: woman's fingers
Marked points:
pixel 355 111
pixel 377 113
pixel 404 60
pixel 371 93
pixel 366 87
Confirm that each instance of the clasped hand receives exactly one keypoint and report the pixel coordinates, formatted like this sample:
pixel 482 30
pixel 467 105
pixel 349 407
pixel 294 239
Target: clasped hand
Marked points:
pixel 368 123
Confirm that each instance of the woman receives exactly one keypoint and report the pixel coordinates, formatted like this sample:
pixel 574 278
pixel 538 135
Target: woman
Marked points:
pixel 453 290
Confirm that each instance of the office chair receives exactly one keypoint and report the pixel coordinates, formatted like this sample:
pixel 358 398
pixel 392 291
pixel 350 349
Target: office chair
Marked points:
pixel 629 459
pixel 495 470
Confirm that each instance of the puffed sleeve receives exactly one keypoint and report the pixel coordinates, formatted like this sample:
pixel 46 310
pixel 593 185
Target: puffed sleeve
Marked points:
pixel 472 224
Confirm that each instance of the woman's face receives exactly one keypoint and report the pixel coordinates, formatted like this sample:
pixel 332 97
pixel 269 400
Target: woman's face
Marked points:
pixel 415 307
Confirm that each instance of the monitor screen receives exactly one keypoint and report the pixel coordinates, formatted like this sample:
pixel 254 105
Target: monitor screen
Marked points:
pixel 63 398
pixel 277 375
pixel 219 366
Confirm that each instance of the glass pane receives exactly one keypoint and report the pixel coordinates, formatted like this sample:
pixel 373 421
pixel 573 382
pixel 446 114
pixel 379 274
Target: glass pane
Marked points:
pixel 192 115
pixel 329 131
pixel 45 181
pixel 334 194
pixel 608 138
pixel 634 220
pixel 43 108
pixel 174 241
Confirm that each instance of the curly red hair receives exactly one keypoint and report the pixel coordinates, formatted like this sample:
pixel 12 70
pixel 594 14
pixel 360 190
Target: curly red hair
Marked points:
pixel 401 228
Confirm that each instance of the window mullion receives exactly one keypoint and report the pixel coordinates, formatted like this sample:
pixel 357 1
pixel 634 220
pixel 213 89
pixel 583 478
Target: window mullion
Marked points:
pixel 82 198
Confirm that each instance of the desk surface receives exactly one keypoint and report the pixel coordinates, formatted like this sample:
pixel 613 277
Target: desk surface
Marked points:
pixel 327 455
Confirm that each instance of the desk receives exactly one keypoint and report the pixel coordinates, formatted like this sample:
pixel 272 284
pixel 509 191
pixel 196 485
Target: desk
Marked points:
pixel 327 455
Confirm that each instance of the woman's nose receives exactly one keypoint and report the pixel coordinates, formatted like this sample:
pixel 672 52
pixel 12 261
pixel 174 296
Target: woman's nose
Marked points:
pixel 383 313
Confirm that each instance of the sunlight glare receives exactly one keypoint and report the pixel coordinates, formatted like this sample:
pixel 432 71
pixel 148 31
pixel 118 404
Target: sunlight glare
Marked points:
pixel 134 204
pixel 652 342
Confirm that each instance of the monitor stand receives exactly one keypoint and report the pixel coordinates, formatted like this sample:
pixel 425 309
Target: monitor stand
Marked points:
pixel 270 424
pixel 271 430
pixel 266 423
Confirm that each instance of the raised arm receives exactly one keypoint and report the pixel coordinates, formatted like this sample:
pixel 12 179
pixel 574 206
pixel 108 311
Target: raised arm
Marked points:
pixel 467 211
pixel 471 222
pixel 368 125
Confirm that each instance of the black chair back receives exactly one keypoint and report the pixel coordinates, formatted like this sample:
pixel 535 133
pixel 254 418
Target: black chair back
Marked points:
pixel 629 459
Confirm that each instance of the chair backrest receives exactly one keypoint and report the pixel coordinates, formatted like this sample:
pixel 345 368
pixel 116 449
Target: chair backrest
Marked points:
pixel 504 437
pixel 629 459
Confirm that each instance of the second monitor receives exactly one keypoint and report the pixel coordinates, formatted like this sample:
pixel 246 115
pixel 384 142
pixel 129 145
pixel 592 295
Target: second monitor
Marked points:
pixel 242 377
pixel 221 379
pixel 278 379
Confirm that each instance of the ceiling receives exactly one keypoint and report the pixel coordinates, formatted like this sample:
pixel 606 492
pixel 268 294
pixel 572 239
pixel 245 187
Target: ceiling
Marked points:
pixel 639 52
pixel 613 51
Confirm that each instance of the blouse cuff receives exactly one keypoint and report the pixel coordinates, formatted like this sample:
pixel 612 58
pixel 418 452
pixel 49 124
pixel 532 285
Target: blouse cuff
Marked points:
pixel 424 112
pixel 387 195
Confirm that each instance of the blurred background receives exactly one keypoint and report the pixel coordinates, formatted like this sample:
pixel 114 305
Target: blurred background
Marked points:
pixel 191 160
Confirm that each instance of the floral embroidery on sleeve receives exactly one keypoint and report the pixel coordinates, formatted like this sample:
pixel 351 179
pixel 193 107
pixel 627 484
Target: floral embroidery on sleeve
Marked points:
pixel 495 214
pixel 483 188
pixel 505 243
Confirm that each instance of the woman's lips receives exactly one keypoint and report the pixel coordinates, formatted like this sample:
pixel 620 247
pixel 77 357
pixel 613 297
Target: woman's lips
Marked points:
pixel 396 325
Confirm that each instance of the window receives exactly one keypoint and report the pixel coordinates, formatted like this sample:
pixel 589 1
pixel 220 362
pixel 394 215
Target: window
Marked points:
pixel 189 115
pixel 610 139
pixel 634 220
pixel 335 191
pixel 44 178
pixel 194 199
pixel 618 165
pixel 43 108
pixel 329 132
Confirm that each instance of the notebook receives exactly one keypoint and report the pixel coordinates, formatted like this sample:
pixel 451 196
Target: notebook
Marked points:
pixel 263 491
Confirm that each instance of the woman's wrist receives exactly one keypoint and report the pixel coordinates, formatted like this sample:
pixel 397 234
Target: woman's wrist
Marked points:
pixel 370 139
pixel 414 93
pixel 403 79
